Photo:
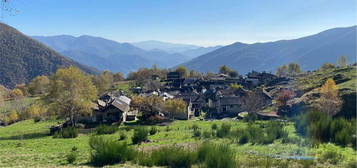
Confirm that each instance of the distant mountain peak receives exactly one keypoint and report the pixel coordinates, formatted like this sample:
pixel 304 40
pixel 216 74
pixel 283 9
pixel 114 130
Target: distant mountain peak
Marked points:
pixel 310 52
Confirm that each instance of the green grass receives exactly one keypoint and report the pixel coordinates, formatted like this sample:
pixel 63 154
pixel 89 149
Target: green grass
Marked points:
pixel 28 144
pixel 317 79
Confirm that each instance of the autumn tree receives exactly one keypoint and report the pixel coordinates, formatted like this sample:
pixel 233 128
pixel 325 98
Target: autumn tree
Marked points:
pixel 118 77
pixel 13 116
pixel 182 70
pixel 17 94
pixel 342 61
pixel 71 92
pixel 282 100
pixel 195 74
pixel 103 82
pixel 39 85
pixel 294 68
pixel 330 101
pixel 175 108
pixel 235 86
pixel 252 102
pixel 327 66
pixel 148 106
pixel 35 110
pixel 282 70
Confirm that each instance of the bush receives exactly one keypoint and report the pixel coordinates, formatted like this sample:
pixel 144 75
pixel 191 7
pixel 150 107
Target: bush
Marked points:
pixel 194 127
pixel 218 156
pixel 196 133
pixel 105 129
pixel 68 132
pixel 206 134
pixel 171 156
pixel 224 130
pixel 122 136
pixel 109 151
pixel 329 153
pixel 153 130
pixel 72 157
pixel 140 135
pixel 214 126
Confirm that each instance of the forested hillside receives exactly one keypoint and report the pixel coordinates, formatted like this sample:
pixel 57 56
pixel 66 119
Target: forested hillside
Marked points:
pixel 22 58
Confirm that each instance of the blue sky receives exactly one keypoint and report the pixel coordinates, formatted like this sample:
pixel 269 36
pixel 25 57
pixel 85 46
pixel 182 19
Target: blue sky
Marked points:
pixel 201 22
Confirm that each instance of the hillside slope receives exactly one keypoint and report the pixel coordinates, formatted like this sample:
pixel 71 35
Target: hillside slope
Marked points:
pixel 310 52
pixel 22 58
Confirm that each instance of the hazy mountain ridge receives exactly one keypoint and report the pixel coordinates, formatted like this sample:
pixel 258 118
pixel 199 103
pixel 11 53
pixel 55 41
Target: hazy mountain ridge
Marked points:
pixel 23 58
pixel 119 57
pixel 310 52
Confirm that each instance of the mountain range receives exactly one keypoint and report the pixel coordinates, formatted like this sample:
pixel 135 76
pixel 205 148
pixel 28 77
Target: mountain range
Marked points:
pixel 105 54
pixel 310 52
pixel 22 58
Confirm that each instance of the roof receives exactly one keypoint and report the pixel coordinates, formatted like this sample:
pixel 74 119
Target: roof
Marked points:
pixel 229 100
pixel 101 103
pixel 122 103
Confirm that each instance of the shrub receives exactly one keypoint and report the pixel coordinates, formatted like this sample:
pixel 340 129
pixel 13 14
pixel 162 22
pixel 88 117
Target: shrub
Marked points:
pixel 171 156
pixel 244 138
pixel 214 126
pixel 206 134
pixel 196 133
pixel 194 127
pixel 72 157
pixel 218 156
pixel 329 153
pixel 153 130
pixel 140 135
pixel 109 151
pixel 224 130
pixel 122 136
pixel 105 129
pixel 68 132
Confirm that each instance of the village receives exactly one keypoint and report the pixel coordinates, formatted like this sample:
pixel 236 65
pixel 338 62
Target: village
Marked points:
pixel 217 97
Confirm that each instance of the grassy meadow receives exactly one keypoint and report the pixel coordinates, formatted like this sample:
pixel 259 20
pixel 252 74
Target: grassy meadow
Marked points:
pixel 27 144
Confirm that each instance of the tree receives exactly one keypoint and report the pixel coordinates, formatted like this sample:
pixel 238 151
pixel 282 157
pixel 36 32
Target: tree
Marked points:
pixel 342 61
pixel 71 92
pixel 39 85
pixel 118 77
pixel 282 101
pixel 327 66
pixel 282 71
pixel 224 70
pixel 103 82
pixel 195 74
pixel 233 74
pixel 284 96
pixel 253 102
pixel 148 106
pixel 13 116
pixel 235 86
pixel 17 93
pixel 35 110
pixel 294 68
pixel 329 102
pixel 182 70
pixel 176 108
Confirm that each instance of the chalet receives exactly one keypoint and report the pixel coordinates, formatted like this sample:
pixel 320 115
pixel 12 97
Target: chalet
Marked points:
pixel 174 79
pixel 260 78
pixel 111 108
pixel 194 102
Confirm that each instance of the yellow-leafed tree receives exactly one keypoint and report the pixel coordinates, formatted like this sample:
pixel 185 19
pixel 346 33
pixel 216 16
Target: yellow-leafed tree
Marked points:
pixel 176 108
pixel 71 93
pixel 17 93
pixel 13 116
pixel 330 102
